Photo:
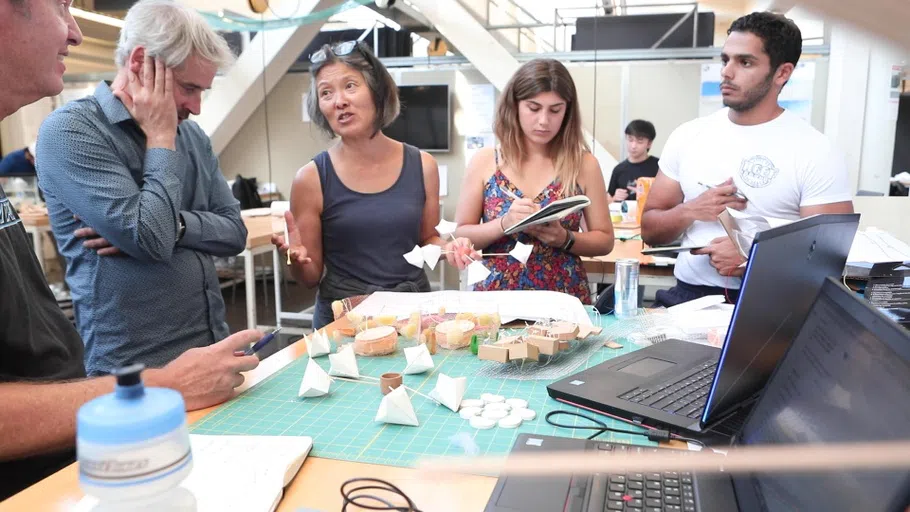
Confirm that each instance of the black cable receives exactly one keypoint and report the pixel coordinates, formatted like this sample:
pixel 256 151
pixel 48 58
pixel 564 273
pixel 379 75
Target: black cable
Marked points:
pixel 656 435
pixel 365 484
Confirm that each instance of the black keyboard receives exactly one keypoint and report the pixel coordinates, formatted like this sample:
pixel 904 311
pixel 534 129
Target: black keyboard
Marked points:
pixel 668 491
pixel 685 396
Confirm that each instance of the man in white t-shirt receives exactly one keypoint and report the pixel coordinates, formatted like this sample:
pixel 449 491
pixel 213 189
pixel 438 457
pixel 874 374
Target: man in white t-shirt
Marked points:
pixel 755 149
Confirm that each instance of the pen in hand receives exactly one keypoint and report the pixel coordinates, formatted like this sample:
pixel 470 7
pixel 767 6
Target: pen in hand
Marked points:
pixel 261 343
pixel 737 193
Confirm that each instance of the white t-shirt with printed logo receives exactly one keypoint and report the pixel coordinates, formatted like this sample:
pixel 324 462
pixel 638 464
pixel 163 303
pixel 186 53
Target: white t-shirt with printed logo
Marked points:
pixel 779 166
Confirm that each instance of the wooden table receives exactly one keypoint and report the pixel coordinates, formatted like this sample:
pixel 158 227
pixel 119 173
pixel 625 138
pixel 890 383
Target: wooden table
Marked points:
pixel 602 269
pixel 315 486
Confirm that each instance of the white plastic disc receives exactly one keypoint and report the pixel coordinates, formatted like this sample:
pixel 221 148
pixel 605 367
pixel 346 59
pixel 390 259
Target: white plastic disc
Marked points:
pixel 494 414
pixel 469 412
pixel 481 423
pixel 498 405
pixel 517 403
pixel 472 402
pixel 510 421
pixel 525 414
pixel 492 399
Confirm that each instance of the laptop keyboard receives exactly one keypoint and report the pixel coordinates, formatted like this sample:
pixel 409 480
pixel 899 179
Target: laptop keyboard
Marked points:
pixel 632 492
pixel 684 396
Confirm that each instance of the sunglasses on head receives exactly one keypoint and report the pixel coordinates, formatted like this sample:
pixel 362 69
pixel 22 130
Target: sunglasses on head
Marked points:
pixel 339 49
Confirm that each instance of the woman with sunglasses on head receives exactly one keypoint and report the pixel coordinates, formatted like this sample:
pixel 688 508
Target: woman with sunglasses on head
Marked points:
pixel 359 206
pixel 542 157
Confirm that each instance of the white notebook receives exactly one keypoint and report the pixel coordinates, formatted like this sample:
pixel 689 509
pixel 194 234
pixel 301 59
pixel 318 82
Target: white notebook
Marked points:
pixel 553 211
pixel 242 473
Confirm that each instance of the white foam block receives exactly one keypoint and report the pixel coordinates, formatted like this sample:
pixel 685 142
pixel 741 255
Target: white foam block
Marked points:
pixel 318 344
pixel 449 391
pixel 521 252
pixel 344 363
pixel 396 408
pixel 431 254
pixel 316 382
pixel 415 257
pixel 419 360
pixel 477 272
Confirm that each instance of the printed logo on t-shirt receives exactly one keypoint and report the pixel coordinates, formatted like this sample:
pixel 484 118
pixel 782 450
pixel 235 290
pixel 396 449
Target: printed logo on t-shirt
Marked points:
pixel 8 216
pixel 758 171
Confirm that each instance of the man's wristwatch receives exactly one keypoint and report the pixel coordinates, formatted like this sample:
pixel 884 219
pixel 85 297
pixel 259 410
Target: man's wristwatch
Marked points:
pixel 181 227
pixel 570 241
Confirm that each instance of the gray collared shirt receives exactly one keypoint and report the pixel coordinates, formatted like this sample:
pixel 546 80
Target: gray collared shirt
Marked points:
pixel 161 296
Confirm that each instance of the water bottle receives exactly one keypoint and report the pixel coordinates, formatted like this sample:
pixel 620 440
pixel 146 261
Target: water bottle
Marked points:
pixel 133 447
pixel 625 289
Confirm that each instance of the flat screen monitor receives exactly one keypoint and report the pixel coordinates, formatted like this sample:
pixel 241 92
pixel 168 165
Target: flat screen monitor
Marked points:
pixel 425 117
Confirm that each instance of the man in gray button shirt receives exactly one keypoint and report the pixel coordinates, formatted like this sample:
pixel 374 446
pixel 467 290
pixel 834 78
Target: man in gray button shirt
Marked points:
pixel 136 197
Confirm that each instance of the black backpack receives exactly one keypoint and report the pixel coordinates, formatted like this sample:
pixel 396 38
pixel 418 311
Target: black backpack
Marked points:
pixel 246 191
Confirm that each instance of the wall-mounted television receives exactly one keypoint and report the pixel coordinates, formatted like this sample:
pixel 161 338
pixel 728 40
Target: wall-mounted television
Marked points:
pixel 425 119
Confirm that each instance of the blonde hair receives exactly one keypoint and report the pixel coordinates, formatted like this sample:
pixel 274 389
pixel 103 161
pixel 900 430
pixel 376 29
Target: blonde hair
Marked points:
pixel 568 147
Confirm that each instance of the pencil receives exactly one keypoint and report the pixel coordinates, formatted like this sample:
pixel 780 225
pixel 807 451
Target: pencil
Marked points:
pixel 737 193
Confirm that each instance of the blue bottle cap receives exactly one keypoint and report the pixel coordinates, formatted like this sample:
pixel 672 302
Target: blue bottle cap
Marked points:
pixel 132 413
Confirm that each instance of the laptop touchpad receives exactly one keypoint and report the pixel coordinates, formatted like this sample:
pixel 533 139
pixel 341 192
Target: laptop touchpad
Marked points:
pixel 646 367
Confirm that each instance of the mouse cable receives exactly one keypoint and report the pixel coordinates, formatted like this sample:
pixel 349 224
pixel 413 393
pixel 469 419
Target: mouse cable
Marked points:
pixel 370 501
pixel 655 435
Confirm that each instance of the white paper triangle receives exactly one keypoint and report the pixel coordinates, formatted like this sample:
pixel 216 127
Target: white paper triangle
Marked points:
pixel 396 408
pixel 419 360
pixel 431 254
pixel 415 257
pixel 318 344
pixel 449 391
pixel 445 228
pixel 522 252
pixel 477 272
pixel 316 382
pixel 344 363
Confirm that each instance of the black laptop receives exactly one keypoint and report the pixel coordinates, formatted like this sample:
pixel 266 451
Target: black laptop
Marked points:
pixel 845 378
pixel 691 388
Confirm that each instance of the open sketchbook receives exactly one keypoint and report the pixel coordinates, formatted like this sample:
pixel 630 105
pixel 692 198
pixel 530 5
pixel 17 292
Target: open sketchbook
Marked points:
pixel 742 227
pixel 242 473
pixel 553 211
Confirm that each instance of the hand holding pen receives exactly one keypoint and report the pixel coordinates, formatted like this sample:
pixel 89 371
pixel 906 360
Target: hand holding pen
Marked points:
pixel 710 203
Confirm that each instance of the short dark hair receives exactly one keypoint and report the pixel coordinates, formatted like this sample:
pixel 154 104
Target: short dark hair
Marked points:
pixel 781 38
pixel 382 87
pixel 641 128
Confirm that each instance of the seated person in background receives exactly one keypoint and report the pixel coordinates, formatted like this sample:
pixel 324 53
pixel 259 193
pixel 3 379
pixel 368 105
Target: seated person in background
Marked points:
pixel 136 198
pixel 624 180
pixel 42 377
pixel 359 206
pixel 784 167
pixel 21 161
pixel 543 158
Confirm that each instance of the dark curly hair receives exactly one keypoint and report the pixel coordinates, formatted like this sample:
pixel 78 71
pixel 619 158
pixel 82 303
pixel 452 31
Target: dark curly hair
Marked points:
pixel 781 38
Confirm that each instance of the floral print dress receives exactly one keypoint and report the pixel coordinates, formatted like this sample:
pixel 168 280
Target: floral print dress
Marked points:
pixel 548 268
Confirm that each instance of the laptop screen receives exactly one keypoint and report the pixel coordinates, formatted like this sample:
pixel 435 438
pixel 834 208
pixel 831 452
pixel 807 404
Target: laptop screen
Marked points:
pixel 845 379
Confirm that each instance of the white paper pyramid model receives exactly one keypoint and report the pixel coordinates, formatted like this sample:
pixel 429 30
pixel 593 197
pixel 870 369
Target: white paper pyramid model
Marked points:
pixel 318 344
pixel 477 272
pixel 415 257
pixel 344 363
pixel 522 252
pixel 449 391
pixel 431 253
pixel 396 408
pixel 419 360
pixel 316 381
pixel 445 228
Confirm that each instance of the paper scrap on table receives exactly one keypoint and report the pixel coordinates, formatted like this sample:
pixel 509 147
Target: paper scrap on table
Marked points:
pixel 449 391
pixel 522 252
pixel 396 408
pixel 415 257
pixel 431 254
pixel 419 360
pixel 344 363
pixel 445 228
pixel 316 382
pixel 477 272
pixel 697 304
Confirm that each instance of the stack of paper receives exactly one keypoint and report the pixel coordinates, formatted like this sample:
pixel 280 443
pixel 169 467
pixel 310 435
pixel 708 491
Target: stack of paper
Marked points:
pixel 877 246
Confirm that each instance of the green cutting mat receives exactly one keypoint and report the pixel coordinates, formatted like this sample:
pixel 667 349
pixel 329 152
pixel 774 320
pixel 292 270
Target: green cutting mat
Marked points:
pixel 342 423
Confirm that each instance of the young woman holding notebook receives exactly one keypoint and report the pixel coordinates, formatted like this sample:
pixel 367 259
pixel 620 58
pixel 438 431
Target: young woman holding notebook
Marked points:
pixel 359 206
pixel 542 158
